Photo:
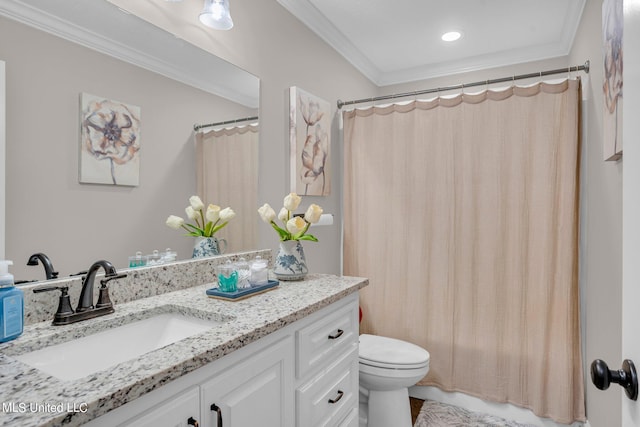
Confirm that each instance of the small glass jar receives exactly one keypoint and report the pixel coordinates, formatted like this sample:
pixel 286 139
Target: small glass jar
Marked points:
pixel 242 267
pixel 154 258
pixel 227 277
pixel 137 260
pixel 259 273
pixel 168 256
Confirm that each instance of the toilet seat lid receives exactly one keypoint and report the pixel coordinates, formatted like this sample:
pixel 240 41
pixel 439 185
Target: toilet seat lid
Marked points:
pixel 383 351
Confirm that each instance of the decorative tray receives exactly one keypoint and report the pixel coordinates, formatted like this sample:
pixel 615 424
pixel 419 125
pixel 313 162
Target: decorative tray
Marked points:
pixel 242 293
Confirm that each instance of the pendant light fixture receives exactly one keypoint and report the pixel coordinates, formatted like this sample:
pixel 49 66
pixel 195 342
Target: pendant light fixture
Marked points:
pixel 215 14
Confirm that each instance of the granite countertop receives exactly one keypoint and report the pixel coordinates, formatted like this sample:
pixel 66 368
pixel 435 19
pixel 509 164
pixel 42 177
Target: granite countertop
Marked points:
pixel 33 398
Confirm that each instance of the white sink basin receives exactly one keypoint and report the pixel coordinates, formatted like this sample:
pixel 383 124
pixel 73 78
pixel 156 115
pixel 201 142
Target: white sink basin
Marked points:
pixel 93 353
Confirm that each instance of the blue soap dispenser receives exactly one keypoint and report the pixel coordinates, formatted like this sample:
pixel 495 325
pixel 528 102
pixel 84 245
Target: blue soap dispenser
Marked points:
pixel 11 305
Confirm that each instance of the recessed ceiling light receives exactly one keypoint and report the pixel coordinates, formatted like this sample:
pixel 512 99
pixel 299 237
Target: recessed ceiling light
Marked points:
pixel 451 36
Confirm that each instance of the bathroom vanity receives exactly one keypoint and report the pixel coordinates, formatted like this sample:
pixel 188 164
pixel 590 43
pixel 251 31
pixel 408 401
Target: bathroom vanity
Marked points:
pixel 287 357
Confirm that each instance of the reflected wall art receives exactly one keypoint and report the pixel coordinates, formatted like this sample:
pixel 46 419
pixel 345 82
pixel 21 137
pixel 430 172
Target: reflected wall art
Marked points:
pixel 109 141
pixel 612 25
pixel 310 143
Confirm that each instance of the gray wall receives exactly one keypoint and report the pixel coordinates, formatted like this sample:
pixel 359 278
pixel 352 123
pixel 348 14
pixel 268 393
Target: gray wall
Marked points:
pixel 601 231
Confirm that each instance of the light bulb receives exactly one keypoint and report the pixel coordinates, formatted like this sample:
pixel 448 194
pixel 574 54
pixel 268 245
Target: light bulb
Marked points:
pixel 215 14
pixel 451 36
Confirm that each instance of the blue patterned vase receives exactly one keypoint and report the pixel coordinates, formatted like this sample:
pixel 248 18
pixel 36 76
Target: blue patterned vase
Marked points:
pixel 290 262
pixel 208 246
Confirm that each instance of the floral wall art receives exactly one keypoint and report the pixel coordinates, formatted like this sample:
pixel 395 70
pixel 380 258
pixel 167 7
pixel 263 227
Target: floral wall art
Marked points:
pixel 310 142
pixel 612 20
pixel 110 141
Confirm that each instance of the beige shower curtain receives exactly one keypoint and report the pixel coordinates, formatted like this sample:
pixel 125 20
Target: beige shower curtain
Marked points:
pixel 227 175
pixel 463 213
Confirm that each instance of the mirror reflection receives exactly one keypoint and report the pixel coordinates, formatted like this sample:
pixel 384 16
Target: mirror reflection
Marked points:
pixel 227 175
pixel 48 211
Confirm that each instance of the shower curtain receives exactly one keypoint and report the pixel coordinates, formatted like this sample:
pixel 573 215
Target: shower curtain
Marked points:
pixel 227 175
pixel 463 213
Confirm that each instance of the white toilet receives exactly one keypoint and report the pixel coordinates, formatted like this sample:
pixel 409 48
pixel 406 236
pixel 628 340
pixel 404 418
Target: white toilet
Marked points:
pixel 388 367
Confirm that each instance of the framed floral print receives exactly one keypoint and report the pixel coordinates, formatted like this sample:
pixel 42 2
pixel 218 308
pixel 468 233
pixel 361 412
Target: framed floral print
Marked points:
pixel 109 141
pixel 310 143
pixel 612 23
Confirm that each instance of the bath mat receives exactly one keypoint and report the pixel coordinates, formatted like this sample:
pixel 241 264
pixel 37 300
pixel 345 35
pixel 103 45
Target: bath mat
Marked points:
pixel 436 414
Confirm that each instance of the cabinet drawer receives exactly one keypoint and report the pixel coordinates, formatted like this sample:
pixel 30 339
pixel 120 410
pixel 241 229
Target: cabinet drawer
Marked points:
pixel 329 396
pixel 324 340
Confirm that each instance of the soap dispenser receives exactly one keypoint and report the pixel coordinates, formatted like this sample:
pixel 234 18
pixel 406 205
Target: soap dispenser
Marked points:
pixel 11 305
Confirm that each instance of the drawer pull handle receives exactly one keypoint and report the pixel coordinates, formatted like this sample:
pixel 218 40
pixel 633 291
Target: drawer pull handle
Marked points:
pixel 193 422
pixel 336 335
pixel 216 408
pixel 340 394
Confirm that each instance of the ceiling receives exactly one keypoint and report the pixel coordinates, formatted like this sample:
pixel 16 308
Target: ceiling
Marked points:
pixel 399 41
pixel 390 42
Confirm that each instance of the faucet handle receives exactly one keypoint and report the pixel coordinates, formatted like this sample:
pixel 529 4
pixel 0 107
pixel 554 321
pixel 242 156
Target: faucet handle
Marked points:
pixel 103 297
pixel 80 273
pixel 48 289
pixel 107 279
pixel 64 304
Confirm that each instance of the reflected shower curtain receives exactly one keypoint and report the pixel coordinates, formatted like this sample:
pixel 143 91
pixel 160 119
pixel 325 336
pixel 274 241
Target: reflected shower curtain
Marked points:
pixel 463 213
pixel 227 175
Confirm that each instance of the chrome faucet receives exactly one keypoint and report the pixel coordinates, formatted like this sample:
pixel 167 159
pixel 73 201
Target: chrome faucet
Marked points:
pixel 86 309
pixel 46 262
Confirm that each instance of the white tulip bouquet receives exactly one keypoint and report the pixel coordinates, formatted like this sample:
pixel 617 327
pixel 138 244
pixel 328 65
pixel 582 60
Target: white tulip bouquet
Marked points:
pixel 295 227
pixel 207 223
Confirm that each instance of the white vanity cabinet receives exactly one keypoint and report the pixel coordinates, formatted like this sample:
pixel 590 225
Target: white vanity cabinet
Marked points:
pixel 327 368
pixel 177 411
pixel 304 375
pixel 250 392
pixel 254 392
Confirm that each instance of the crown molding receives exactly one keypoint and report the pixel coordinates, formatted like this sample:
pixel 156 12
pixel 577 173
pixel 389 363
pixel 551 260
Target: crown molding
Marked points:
pixel 319 24
pixel 186 73
pixel 476 63
pixel 316 21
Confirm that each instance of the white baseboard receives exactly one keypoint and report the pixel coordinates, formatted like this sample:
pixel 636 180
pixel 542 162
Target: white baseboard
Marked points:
pixel 502 410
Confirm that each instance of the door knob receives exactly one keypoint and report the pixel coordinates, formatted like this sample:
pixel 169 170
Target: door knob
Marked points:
pixel 627 377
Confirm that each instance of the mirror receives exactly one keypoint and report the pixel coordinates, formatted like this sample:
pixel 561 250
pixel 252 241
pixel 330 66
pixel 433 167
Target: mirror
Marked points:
pixel 116 56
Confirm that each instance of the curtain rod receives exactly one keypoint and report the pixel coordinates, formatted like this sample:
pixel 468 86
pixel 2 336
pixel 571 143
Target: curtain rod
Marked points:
pixel 584 68
pixel 197 127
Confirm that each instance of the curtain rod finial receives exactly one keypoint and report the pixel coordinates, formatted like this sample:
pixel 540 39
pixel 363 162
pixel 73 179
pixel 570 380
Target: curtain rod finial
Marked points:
pixel 340 103
pixel 587 64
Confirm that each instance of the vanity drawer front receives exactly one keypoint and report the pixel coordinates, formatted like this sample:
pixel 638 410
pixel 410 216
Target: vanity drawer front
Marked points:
pixel 325 339
pixel 328 397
